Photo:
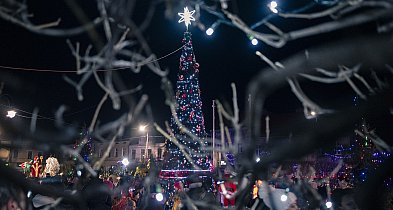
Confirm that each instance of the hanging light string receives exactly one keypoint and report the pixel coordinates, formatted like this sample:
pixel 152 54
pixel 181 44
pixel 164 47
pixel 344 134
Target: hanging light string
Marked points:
pixel 100 70
pixel 29 115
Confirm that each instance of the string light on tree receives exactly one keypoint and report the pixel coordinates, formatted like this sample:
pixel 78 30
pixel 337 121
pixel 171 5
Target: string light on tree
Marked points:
pixel 254 41
pixel 189 113
pixel 209 31
pixel 85 142
pixel 273 6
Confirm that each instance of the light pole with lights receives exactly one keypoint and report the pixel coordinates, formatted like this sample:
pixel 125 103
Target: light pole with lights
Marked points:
pixel 143 128
pixel 10 113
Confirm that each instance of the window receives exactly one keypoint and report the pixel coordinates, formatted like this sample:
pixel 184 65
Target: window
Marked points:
pixel 100 153
pixel 122 151
pixel 16 153
pixel 142 153
pixel 133 154
pixel 149 155
pixel 116 152
pixel 29 154
pixel 159 153
pixel 109 155
pixel 258 152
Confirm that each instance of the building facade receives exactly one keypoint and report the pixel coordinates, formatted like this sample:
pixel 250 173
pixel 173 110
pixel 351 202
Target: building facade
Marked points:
pixel 135 149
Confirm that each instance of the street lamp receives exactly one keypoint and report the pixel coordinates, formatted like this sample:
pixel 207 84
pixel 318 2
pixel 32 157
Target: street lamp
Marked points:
pixel 125 162
pixel 11 114
pixel 143 128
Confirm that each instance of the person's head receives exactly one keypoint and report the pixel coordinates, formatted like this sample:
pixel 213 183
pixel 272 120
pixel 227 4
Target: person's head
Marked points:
pixel 258 183
pixel 11 196
pixel 344 199
pixel 178 186
pixel 137 195
pixel 227 170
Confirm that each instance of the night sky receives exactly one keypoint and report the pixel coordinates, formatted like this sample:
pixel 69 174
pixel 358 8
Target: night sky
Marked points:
pixel 226 56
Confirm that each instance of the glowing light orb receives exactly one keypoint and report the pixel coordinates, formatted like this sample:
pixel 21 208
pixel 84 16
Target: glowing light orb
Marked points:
pixel 254 41
pixel 329 204
pixel 125 162
pixel 159 197
pixel 209 31
pixel 284 198
pixel 11 114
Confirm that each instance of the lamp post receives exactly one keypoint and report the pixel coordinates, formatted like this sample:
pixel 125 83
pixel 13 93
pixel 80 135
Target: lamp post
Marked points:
pixel 10 113
pixel 125 163
pixel 143 128
pixel 214 135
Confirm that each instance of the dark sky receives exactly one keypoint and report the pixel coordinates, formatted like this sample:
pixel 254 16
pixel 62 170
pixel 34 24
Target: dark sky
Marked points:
pixel 226 56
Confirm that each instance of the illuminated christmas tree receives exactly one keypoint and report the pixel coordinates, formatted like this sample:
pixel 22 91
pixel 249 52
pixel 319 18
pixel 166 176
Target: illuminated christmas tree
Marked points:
pixel 189 113
pixel 85 142
pixel 189 110
pixel 366 154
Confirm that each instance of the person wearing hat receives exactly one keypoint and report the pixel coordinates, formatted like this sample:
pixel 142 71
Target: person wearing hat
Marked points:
pixel 176 197
pixel 230 188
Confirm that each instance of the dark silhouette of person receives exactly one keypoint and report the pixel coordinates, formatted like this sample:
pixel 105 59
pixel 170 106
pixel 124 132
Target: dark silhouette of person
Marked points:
pixel 97 194
pixel 12 197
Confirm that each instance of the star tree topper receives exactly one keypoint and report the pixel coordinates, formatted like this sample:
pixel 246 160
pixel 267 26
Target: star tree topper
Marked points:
pixel 186 16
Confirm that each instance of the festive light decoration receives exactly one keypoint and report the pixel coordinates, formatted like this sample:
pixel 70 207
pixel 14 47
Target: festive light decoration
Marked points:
pixel 26 166
pixel 36 167
pixel 254 41
pixel 52 166
pixel 189 112
pixel 209 31
pixel 86 143
pixel 273 6
pixel 186 17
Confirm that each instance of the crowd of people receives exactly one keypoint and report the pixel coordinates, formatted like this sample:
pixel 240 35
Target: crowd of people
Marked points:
pixel 130 193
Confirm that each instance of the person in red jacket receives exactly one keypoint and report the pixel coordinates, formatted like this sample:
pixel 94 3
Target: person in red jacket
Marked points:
pixel 227 189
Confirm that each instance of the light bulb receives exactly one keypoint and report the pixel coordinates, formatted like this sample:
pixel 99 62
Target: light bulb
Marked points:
pixel 11 114
pixel 209 31
pixel 254 41
pixel 273 6
pixel 125 162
